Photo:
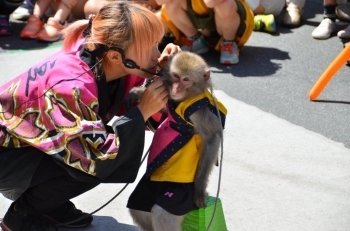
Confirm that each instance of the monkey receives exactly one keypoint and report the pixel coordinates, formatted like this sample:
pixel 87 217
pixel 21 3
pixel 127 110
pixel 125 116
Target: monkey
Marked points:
pixel 184 148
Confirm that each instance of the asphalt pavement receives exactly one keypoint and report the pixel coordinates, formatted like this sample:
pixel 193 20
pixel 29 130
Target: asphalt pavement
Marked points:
pixel 285 159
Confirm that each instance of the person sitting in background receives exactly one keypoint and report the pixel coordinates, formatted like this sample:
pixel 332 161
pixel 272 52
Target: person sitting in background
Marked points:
pixel 36 28
pixel 264 11
pixel 343 13
pixel 200 20
pixel 327 27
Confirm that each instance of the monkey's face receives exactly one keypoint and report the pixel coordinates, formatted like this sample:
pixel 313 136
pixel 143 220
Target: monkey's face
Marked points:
pixel 180 84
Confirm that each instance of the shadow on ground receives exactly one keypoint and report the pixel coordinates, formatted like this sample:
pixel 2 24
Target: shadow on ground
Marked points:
pixel 104 223
pixel 14 42
pixel 262 57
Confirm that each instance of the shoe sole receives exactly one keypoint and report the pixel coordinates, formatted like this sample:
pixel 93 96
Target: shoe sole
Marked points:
pixel 57 224
pixel 20 17
pixel 4 227
pixel 325 37
pixel 226 62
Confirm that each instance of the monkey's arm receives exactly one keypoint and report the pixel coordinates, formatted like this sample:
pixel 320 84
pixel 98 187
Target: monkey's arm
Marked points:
pixel 208 126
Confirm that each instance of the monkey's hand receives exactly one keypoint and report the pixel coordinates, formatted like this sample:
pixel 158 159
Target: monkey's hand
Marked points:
pixel 133 97
pixel 200 198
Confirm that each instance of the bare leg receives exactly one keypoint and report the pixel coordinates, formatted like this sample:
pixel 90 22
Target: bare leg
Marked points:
pixel 163 220
pixel 93 6
pixel 64 9
pixel 78 10
pixel 298 3
pixel 142 219
pixel 40 7
pixel 259 10
pixel 176 10
pixel 226 17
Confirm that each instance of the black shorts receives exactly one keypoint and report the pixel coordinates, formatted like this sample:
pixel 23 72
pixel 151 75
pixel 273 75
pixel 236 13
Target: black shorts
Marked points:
pixel 176 198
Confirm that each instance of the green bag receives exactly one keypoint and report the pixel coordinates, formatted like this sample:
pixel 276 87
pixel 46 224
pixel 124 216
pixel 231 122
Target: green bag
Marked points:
pixel 198 220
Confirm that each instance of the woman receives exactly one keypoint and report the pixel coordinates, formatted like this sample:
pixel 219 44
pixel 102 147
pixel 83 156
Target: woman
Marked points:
pixel 54 138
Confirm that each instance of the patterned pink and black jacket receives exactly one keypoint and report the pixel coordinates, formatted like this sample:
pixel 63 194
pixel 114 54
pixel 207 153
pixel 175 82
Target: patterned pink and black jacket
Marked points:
pixel 60 108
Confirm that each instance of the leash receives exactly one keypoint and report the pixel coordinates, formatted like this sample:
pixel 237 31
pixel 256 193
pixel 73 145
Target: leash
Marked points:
pixel 104 205
pixel 143 159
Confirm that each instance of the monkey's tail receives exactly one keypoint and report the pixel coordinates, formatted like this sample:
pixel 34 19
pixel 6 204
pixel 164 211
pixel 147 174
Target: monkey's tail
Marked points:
pixel 221 158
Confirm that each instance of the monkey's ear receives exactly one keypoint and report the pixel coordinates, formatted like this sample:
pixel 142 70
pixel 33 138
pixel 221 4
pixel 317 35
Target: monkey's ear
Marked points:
pixel 206 75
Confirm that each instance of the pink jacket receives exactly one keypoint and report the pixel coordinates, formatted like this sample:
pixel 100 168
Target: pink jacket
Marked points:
pixel 54 107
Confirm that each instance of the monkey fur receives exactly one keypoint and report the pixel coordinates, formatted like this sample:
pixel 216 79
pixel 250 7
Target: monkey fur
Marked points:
pixel 187 75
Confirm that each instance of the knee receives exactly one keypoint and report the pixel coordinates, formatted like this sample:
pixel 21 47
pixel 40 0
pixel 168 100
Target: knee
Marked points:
pixel 226 9
pixel 172 7
pixel 69 3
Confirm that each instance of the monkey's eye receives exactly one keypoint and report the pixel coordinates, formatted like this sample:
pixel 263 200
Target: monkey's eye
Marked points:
pixel 176 76
pixel 186 79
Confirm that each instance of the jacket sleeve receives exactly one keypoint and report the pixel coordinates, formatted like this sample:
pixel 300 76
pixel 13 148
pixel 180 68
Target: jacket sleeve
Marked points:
pixel 111 157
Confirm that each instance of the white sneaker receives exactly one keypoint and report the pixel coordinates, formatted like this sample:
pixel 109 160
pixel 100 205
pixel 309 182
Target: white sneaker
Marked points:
pixel 344 34
pixel 21 13
pixel 292 16
pixel 324 30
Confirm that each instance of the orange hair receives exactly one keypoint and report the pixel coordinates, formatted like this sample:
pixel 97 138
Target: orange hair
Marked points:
pixel 118 24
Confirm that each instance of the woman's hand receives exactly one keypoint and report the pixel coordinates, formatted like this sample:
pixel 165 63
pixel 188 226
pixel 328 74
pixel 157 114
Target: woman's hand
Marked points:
pixel 167 53
pixel 153 99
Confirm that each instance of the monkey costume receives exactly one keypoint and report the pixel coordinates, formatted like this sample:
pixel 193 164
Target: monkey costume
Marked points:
pixel 173 159
pixel 202 17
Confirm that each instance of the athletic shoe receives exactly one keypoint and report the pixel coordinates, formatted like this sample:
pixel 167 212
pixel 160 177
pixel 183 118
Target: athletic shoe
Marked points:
pixel 66 213
pixel 343 11
pixel 324 30
pixel 265 23
pixel 17 220
pixel 5 27
pixel 344 34
pixel 21 14
pixel 24 11
pixel 229 53
pixel 51 32
pixel 198 46
pixel 292 16
pixel 34 25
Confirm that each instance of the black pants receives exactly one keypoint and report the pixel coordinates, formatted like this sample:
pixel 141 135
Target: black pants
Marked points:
pixel 8 6
pixel 50 187
pixel 42 183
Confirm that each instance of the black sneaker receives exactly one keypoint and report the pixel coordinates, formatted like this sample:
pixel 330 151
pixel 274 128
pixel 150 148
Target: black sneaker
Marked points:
pixel 21 221
pixel 5 27
pixel 63 215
